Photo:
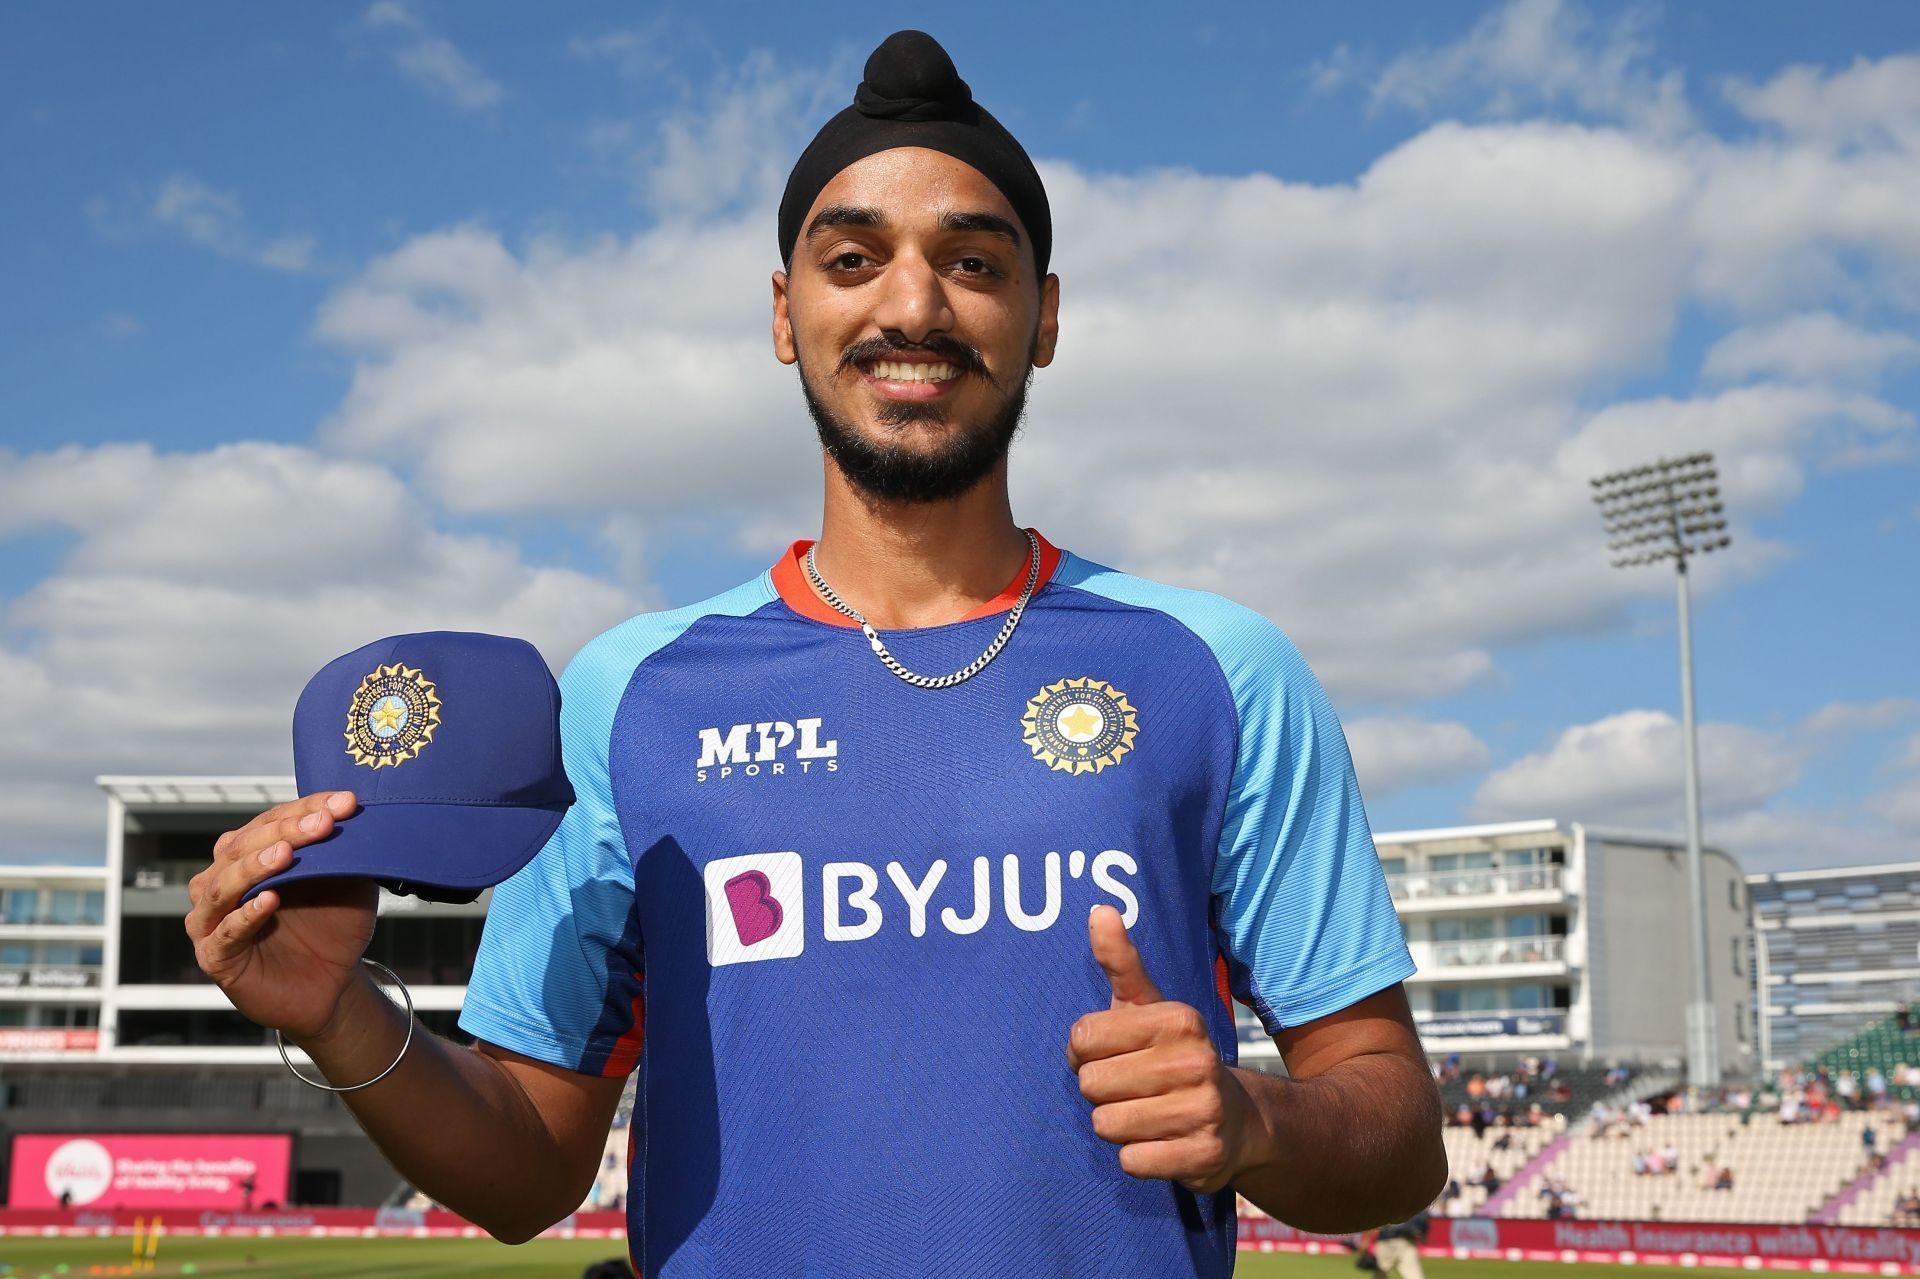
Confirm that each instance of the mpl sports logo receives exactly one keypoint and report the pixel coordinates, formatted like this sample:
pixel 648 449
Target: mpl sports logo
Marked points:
pixel 771 748
pixel 757 903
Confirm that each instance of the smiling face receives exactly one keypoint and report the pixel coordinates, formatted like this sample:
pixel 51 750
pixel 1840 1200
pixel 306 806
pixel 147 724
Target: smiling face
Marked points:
pixel 916 317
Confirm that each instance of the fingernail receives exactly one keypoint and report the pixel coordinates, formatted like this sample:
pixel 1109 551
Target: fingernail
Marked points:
pixel 310 823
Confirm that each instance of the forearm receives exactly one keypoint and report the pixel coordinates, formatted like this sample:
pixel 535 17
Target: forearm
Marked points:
pixel 1355 1147
pixel 450 1120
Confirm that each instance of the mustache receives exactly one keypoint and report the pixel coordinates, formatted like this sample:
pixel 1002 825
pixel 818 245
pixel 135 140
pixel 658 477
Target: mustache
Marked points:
pixel 952 350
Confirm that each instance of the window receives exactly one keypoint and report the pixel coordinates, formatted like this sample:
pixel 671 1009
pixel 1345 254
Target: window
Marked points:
pixel 65 908
pixel 1733 893
pixel 93 907
pixel 22 905
pixel 1526 925
pixel 1482 999
pixel 1738 969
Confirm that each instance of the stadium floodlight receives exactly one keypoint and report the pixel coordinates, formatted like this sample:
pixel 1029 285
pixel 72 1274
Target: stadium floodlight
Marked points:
pixel 1671 510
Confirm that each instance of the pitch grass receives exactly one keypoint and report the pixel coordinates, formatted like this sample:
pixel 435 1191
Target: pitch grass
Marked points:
pixel 295 1258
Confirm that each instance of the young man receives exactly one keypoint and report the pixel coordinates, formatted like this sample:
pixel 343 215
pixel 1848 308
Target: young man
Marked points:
pixel 914 874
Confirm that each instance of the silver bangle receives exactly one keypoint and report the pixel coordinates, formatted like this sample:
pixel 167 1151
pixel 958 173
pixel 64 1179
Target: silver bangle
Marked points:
pixel 383 1074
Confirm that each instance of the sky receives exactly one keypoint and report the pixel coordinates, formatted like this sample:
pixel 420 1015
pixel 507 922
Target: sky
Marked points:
pixel 322 323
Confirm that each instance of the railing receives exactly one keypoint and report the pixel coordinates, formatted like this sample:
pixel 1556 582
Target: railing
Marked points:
pixel 1494 1021
pixel 1421 885
pixel 80 920
pixel 49 976
pixel 1493 950
pixel 163 874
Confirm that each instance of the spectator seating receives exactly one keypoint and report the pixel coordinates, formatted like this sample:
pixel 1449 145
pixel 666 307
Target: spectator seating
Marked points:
pixel 1467 1153
pixel 1883 1045
pixel 1781 1172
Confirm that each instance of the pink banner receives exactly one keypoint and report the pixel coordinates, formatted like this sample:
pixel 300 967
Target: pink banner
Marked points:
pixel 149 1170
pixel 1843 1249
pixel 17 1040
pixel 435 1223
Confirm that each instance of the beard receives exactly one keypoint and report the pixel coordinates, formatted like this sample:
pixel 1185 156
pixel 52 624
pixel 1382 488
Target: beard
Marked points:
pixel 893 472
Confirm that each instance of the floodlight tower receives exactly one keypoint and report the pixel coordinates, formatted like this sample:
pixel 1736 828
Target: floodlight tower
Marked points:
pixel 1670 510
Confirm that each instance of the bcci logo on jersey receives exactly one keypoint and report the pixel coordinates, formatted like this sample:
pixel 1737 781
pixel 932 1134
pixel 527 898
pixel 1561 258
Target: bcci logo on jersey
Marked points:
pixel 1080 725
pixel 757 904
pixel 771 747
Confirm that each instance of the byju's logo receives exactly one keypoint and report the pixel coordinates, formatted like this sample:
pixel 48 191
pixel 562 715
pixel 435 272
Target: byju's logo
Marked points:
pixel 756 904
pixel 755 908
pixel 772 747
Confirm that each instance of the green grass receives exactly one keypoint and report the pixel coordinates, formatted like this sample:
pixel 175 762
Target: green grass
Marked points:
pixel 291 1258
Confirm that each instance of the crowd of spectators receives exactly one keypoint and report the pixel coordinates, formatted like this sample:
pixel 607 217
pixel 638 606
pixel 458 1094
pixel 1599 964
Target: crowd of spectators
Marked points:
pixel 1810 1095
pixel 1533 1079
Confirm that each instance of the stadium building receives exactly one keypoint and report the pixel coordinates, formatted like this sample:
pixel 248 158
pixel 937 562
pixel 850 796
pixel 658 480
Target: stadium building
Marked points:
pixel 108 1025
pixel 1560 939
pixel 1834 952
pixel 53 934
pixel 1532 938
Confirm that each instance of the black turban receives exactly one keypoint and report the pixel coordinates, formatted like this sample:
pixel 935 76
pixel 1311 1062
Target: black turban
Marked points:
pixel 913 97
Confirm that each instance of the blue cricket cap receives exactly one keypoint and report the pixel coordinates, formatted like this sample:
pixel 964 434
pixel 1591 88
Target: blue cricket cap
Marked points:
pixel 450 740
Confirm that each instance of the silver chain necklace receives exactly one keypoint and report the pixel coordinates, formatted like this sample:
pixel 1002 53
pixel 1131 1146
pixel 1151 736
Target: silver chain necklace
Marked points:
pixel 972 668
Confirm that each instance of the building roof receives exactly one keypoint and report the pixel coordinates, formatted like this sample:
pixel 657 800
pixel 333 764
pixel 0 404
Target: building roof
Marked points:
pixel 160 790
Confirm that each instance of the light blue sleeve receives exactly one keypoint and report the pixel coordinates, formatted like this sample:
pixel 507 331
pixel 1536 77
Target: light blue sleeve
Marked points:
pixel 560 971
pixel 1301 906
pixel 560 953
pixel 1304 916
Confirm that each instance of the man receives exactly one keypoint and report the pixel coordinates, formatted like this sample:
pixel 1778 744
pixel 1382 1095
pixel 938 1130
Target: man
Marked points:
pixel 1396 1249
pixel 838 829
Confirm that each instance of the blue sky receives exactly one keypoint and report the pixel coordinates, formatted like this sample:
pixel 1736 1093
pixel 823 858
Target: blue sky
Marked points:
pixel 328 322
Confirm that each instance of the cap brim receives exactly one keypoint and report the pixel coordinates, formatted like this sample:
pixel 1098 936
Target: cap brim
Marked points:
pixel 455 846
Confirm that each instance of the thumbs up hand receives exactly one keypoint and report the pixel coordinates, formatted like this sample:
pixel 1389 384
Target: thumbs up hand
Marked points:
pixel 1158 1087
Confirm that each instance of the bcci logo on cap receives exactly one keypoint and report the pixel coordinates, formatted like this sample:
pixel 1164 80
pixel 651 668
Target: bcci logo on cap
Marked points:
pixel 756 908
pixel 392 716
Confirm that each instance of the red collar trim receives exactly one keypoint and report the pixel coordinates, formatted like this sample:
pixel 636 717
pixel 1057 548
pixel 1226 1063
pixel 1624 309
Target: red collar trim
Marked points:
pixel 790 580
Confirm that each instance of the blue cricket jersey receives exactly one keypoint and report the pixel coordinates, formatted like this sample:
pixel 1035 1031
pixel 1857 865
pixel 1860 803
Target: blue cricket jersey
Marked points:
pixel 839 923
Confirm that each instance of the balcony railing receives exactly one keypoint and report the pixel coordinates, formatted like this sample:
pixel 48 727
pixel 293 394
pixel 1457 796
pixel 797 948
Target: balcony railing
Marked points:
pixel 49 976
pixel 1427 885
pixel 1491 1022
pixel 163 874
pixel 1493 950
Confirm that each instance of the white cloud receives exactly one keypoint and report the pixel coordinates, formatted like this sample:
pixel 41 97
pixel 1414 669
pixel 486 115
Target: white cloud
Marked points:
pixel 1531 53
pixel 638 53
pixel 1391 753
pixel 202 591
pixel 1809 347
pixel 1874 103
pixel 1368 409
pixel 729 145
pixel 213 220
pixel 1795 837
pixel 430 60
pixel 1628 770
pixel 1864 717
